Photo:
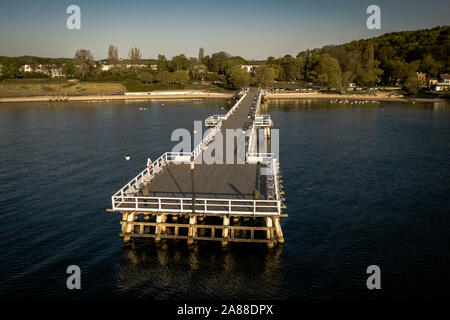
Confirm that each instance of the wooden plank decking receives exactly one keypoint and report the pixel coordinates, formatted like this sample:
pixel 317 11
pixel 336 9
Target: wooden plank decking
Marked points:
pixel 219 181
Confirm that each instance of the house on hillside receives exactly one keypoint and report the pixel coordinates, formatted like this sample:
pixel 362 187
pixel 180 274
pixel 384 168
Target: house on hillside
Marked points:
pixel 351 86
pixel 248 67
pixel 56 72
pixel 26 68
pixel 445 79
pixel 432 82
pixel 421 76
pixel 444 84
pixel 106 67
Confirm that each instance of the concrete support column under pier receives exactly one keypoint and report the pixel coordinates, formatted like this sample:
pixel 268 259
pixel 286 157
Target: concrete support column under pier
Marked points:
pixel 226 222
pixel 269 224
pixel 159 218
pixel 163 220
pixel 146 219
pixel 129 226
pixel 191 231
pixel 278 230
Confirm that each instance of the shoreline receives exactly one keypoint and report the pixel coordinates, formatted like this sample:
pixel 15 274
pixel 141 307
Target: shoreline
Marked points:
pixel 204 95
pixel 132 96
pixel 378 97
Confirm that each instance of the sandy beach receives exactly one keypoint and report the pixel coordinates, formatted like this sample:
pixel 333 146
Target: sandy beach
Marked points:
pixel 379 96
pixel 129 96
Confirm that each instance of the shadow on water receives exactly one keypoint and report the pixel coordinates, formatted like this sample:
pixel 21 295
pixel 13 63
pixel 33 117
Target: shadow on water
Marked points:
pixel 174 271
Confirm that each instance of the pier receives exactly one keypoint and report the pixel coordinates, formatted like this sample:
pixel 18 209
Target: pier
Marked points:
pixel 181 197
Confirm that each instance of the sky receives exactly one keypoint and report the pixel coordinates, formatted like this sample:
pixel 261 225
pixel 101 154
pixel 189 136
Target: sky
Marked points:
pixel 251 29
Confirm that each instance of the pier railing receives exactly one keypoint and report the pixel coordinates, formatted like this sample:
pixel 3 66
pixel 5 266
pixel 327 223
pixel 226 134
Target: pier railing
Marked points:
pixel 202 206
pixel 263 120
pixel 207 139
pixel 254 157
pixel 147 174
pixel 213 120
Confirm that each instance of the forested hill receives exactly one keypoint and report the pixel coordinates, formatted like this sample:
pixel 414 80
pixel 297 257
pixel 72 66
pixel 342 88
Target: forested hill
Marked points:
pixel 410 46
pixel 390 59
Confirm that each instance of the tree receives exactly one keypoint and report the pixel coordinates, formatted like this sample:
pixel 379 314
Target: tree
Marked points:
pixel 69 68
pixel 162 64
pixel 165 77
pixel 349 61
pixel 10 68
pixel 411 85
pixel 145 76
pixel 218 61
pixel 179 62
pixel 113 55
pixel 134 54
pixel 430 66
pixel 329 72
pixel 238 78
pixel 180 77
pixel 289 67
pixel 265 75
pixel 84 61
pixel 198 71
pixel 370 72
pixel 201 54
pixel 399 71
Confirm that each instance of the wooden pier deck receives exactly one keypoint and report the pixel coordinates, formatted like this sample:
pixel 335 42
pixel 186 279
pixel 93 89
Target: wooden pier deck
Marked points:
pixel 235 181
pixel 221 191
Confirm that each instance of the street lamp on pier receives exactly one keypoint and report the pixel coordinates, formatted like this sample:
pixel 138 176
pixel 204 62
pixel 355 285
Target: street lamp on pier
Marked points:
pixel 125 156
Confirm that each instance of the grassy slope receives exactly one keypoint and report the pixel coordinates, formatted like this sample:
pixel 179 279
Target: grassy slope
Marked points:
pixel 21 88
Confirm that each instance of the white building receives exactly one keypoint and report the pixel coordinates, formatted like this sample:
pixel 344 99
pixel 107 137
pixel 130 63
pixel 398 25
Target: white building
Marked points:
pixel 136 65
pixel 27 68
pixel 106 67
pixel 56 72
pixel 50 70
pixel 248 67
pixel 444 84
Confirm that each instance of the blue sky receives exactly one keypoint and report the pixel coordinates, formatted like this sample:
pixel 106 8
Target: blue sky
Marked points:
pixel 252 29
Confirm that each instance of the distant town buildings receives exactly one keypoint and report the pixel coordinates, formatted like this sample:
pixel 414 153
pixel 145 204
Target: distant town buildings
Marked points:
pixel 107 67
pixel 52 71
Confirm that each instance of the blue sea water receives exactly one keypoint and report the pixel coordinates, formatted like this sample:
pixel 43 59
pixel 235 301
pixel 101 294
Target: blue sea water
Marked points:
pixel 365 184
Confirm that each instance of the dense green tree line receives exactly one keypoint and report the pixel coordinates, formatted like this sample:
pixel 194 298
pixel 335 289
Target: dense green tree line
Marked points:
pixel 390 59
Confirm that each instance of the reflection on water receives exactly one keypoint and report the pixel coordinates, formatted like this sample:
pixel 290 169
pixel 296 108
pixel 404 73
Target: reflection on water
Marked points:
pixel 204 271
